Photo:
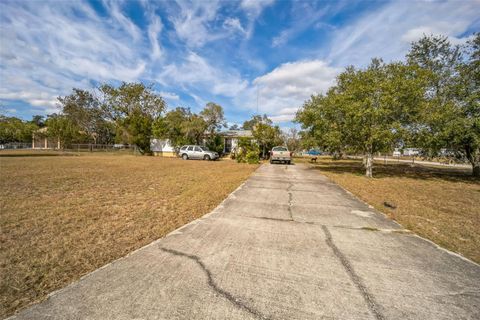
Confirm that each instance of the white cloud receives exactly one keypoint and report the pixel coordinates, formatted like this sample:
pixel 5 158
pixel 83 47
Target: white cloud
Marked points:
pixel 253 9
pixel 195 72
pixel 282 117
pixel 192 19
pixel 169 95
pixel 49 49
pixel 154 30
pixel 304 15
pixel 125 23
pixel 281 39
pixel 282 91
pixel 388 31
pixel 234 25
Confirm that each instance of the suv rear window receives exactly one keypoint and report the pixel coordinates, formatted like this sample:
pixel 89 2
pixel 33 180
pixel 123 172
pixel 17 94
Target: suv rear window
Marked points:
pixel 280 149
pixel 190 148
pixel 183 148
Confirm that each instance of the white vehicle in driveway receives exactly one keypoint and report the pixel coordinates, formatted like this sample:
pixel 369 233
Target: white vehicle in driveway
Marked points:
pixel 197 152
pixel 280 154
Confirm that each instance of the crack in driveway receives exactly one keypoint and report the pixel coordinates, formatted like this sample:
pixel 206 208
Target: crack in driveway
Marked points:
pixel 273 219
pixel 290 197
pixel 367 296
pixel 211 283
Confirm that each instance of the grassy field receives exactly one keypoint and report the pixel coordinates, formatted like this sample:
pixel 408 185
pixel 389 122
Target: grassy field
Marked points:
pixel 63 216
pixel 438 203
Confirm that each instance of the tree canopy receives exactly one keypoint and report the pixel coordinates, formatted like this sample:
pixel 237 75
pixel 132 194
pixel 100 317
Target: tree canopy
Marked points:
pixel 264 132
pixel 451 116
pixel 13 129
pixel 133 107
pixel 430 101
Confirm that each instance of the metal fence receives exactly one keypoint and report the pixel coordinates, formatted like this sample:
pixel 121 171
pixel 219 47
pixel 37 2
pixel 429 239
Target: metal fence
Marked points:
pixel 16 145
pixel 77 147
pixel 90 147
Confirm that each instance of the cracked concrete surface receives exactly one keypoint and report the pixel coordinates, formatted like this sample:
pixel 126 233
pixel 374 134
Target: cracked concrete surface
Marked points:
pixel 288 244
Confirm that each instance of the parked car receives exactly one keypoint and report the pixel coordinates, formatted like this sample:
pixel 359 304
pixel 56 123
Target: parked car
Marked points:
pixel 313 152
pixel 197 152
pixel 280 154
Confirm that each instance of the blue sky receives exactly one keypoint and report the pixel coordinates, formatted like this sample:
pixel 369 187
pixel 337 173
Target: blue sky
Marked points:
pixel 234 53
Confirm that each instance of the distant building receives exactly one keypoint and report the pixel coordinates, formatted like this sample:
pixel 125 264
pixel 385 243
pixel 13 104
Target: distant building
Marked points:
pixel 40 140
pixel 231 138
pixel 162 147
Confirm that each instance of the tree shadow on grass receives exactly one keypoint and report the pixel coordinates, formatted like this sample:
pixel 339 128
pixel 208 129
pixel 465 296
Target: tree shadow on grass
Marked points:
pixel 398 170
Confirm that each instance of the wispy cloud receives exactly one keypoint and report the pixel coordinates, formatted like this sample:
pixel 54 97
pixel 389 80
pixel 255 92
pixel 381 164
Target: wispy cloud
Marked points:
pixel 192 21
pixel 196 73
pixel 253 9
pixel 305 16
pixel 169 95
pixel 388 31
pixel 47 50
pixel 121 20
pixel 154 30
pixel 234 25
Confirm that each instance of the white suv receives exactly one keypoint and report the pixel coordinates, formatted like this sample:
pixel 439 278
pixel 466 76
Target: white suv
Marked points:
pixel 197 152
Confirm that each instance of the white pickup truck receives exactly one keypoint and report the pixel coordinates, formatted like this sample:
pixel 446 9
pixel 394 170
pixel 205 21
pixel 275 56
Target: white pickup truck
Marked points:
pixel 280 154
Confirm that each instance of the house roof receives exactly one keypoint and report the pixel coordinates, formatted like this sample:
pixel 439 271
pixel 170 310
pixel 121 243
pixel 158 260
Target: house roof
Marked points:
pixel 237 133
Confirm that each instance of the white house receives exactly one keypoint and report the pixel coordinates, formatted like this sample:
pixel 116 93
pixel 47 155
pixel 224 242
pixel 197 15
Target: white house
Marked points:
pixel 231 138
pixel 162 147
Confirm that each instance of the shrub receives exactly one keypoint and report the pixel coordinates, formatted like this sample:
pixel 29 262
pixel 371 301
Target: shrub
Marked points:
pixel 252 157
pixel 247 152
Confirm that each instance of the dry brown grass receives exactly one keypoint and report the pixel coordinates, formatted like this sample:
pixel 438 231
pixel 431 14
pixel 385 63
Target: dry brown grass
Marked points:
pixel 64 216
pixel 441 204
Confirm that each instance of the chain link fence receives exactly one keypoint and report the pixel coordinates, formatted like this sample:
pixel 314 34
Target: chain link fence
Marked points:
pixel 76 147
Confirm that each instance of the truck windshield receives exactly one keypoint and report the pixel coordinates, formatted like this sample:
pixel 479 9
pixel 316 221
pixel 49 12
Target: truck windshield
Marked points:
pixel 279 149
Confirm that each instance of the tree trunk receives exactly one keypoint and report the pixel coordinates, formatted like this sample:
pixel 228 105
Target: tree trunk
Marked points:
pixel 476 169
pixel 474 157
pixel 368 164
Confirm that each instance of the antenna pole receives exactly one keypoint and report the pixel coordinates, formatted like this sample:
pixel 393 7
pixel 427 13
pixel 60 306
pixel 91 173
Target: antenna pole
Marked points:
pixel 257 99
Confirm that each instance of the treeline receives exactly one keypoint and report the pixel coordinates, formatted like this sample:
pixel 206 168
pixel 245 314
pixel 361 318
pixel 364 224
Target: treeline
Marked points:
pixel 13 129
pixel 133 113
pixel 429 101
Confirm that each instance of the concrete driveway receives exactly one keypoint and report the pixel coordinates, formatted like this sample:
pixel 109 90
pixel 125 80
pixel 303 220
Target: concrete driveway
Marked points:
pixel 288 244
